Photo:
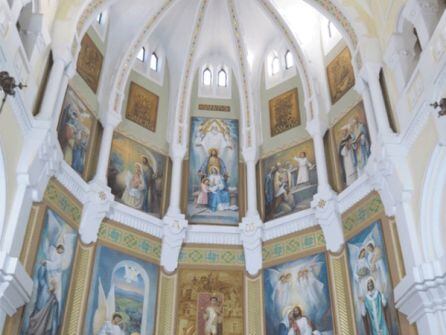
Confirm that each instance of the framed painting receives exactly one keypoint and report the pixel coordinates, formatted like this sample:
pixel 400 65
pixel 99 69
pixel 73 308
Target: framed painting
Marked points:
pixel 375 311
pixel 213 196
pixel 284 112
pixel 137 175
pixel 76 132
pixel 297 297
pixel 341 76
pixel 89 63
pixel 51 277
pixel 351 146
pixel 123 294
pixel 142 107
pixel 210 302
pixel 289 180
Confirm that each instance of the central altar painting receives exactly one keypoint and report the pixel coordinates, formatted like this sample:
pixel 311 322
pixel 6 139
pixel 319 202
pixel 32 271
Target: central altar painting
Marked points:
pixel 213 171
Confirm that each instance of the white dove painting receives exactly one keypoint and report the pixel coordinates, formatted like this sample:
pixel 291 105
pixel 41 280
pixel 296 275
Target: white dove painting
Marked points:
pixel 51 277
pixel 375 310
pixel 122 295
pixel 298 287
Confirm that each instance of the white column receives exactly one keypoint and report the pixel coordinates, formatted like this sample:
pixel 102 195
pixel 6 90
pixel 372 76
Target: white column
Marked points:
pixel 250 156
pixel 69 73
pixel 364 91
pixel 61 58
pixel 372 77
pixel 109 123
pixel 177 156
pixel 317 129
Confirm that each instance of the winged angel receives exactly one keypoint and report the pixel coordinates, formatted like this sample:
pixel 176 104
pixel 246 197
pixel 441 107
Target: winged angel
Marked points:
pixel 50 280
pixel 299 286
pixel 367 260
pixel 107 321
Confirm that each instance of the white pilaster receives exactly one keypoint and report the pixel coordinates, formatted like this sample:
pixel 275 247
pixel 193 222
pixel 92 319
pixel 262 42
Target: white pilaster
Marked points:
pixel 251 234
pixel 250 156
pixel 325 203
pixel 177 154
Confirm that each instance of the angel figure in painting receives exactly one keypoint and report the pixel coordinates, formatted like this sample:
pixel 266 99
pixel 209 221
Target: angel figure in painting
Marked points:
pixel 113 327
pixel 304 167
pixel 106 320
pixel 213 318
pixel 281 293
pixel 361 145
pixel 295 323
pixel 373 310
pixel 362 271
pixel 134 192
pixel 311 288
pixel 48 301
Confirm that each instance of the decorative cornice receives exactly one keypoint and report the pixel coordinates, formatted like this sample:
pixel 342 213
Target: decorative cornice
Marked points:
pixel 201 234
pixel 289 224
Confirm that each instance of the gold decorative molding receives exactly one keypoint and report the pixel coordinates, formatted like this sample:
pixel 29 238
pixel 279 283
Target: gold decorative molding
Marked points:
pixel 344 322
pixel 254 306
pixel 79 289
pixel 165 321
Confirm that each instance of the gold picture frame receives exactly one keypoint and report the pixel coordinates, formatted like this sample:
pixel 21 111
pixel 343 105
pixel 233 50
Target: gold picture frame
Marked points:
pixel 89 63
pixel 142 107
pixel 284 112
pixel 340 75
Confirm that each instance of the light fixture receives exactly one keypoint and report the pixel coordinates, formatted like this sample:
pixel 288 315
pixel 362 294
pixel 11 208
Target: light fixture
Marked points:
pixel 442 105
pixel 8 86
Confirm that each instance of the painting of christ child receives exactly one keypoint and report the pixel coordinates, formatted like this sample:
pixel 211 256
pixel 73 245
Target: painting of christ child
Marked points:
pixel 353 145
pixel 211 308
pixel 213 171
pixel 290 180
pixel 375 311
pixel 136 175
pixel 74 131
pixel 51 277
pixel 123 293
pixel 297 298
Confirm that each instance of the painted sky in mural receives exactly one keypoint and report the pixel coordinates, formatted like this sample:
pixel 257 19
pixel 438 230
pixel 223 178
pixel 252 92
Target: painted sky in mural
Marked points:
pixel 122 296
pixel 51 277
pixel 213 171
pixel 371 284
pixel 296 296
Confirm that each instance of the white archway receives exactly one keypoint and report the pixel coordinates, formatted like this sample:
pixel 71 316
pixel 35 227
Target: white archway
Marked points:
pixel 433 201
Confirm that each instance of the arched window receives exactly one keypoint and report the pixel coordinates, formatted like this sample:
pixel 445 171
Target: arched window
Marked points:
pixel 289 60
pixel 142 54
pixel 207 77
pixel 100 18
pixel 275 65
pixel 154 62
pixel 222 78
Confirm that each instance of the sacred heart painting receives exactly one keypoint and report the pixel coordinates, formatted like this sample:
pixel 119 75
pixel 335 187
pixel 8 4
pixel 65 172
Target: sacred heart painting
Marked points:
pixel 213 196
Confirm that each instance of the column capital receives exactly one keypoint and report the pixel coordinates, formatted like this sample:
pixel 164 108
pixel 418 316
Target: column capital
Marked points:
pixel 62 52
pixel 317 126
pixel 177 152
pixel 250 154
pixel 98 203
pixel 174 234
pixel 325 205
pixel 110 119
pixel 251 233
pixel 15 284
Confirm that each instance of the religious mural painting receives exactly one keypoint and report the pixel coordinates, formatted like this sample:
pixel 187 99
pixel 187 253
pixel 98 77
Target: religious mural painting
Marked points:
pixel 289 180
pixel 75 132
pixel 51 277
pixel 213 171
pixel 352 145
pixel 210 302
pixel 123 295
pixel 284 112
pixel 142 107
pixel 372 289
pixel 297 297
pixel 341 76
pixel 136 175
pixel 89 63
